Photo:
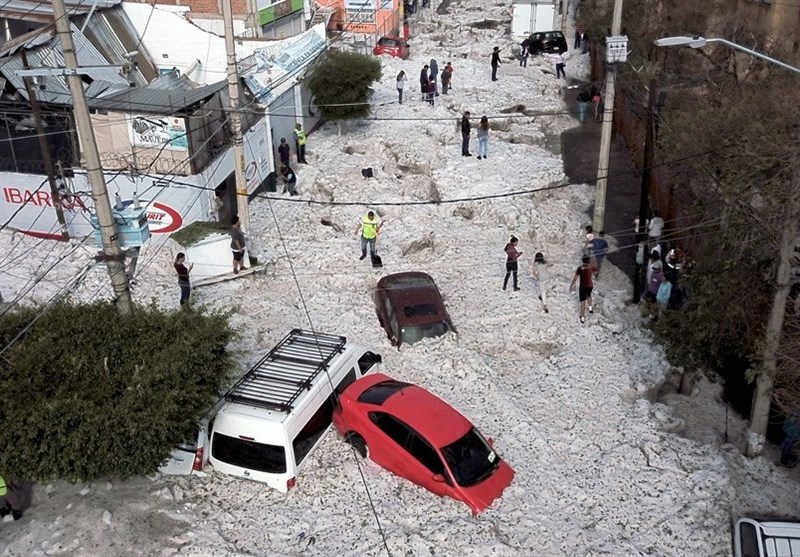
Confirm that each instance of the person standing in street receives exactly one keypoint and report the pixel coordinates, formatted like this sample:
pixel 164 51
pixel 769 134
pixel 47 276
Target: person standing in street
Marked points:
pixel 584 273
pixel 289 179
pixel 466 129
pixel 434 76
pixel 15 497
pixel 237 244
pixel 369 227
pixel 300 143
pixel 596 98
pixel 560 63
pixel 483 138
pixel 583 105
pixel 655 227
pixel 401 84
pixel 524 52
pixel 511 262
pixel 542 276
pixel 424 79
pixel 495 62
pixel 446 76
pixel 183 277
pixel 284 153
pixel 599 251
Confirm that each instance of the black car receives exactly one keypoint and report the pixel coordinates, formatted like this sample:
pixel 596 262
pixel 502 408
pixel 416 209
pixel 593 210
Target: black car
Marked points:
pixel 547 42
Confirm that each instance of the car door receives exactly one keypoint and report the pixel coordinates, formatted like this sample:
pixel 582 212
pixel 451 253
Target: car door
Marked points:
pixel 433 474
pixel 391 452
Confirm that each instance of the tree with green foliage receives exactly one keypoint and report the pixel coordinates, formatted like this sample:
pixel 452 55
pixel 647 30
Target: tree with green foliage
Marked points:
pixel 341 83
pixel 88 394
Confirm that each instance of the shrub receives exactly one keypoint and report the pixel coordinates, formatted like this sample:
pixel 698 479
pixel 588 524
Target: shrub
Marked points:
pixel 88 393
pixel 342 78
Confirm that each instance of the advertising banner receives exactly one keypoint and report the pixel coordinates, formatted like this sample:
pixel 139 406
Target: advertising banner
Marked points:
pixel 158 132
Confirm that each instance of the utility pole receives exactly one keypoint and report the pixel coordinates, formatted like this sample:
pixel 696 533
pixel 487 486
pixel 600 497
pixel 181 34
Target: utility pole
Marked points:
pixel 55 196
pixel 644 194
pixel 762 398
pixel 598 220
pixel 112 254
pixel 564 13
pixel 242 206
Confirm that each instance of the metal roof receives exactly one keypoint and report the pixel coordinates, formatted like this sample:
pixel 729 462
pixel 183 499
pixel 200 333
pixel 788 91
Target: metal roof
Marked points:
pixel 155 100
pixel 36 10
pixel 53 89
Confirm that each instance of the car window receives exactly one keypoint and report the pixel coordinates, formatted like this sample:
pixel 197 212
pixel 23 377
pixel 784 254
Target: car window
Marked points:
pixel 249 454
pixel 420 310
pixel 425 454
pixel 346 382
pixel 415 333
pixel 379 392
pixel 391 426
pixel 749 540
pixel 367 361
pixel 387 42
pixel 470 459
pixel 313 430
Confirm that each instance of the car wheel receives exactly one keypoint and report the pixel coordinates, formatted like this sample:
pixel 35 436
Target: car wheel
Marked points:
pixel 358 444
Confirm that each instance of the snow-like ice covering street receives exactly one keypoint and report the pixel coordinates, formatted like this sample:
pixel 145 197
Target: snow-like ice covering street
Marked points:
pixel 601 469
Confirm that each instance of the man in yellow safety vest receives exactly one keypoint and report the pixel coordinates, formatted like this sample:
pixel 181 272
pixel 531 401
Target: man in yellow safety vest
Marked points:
pixel 300 143
pixel 369 227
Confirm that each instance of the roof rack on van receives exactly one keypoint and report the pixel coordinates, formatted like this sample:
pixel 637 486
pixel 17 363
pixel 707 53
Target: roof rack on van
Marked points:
pixel 282 375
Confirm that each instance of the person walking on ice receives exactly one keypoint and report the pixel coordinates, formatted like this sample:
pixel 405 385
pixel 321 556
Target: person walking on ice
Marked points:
pixel 585 273
pixel 369 227
pixel 542 276
pixel 511 262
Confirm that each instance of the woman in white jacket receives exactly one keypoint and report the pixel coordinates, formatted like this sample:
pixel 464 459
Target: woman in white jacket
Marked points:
pixel 542 275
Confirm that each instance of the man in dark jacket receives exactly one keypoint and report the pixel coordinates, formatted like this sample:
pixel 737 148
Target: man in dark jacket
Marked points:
pixel 423 81
pixel 495 62
pixel 466 128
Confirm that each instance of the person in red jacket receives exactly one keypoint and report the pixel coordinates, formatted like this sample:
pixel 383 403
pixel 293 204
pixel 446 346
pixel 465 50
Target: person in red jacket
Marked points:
pixel 585 273
pixel 511 262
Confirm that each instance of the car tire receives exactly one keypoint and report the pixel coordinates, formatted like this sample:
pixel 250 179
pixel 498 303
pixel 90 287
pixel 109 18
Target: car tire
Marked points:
pixel 358 443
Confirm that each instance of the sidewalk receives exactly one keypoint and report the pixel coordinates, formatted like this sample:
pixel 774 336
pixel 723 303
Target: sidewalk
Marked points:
pixel 580 149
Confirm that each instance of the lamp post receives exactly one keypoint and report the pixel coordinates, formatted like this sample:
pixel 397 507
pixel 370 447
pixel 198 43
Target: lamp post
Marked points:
pixel 765 380
pixel 700 42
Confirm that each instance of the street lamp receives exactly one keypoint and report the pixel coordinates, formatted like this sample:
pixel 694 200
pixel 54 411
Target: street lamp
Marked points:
pixel 765 379
pixel 700 42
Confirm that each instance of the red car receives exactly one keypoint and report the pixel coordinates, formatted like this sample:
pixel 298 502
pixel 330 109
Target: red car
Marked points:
pixel 416 435
pixel 393 46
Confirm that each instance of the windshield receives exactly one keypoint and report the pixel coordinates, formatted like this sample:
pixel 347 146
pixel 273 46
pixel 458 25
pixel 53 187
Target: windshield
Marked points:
pixel 415 333
pixel 388 42
pixel 470 459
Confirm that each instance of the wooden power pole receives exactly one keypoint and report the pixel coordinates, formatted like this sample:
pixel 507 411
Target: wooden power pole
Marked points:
pixel 242 205
pixel 762 398
pixel 44 147
pixel 112 254
pixel 598 220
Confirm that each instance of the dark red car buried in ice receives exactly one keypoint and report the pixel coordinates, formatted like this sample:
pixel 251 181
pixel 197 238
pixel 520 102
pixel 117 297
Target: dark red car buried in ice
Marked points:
pixel 416 435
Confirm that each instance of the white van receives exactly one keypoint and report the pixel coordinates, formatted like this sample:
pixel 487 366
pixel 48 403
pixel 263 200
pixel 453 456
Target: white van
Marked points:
pixel 278 412
pixel 766 538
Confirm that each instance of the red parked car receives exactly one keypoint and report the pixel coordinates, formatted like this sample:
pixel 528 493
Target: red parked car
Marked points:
pixel 416 435
pixel 393 46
